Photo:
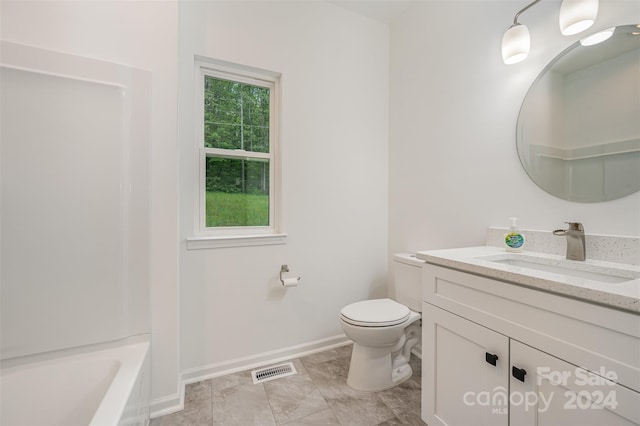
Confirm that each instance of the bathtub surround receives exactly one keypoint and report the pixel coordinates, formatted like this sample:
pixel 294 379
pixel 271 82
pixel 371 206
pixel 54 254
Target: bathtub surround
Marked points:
pixel 75 239
pixel 75 242
pixel 122 33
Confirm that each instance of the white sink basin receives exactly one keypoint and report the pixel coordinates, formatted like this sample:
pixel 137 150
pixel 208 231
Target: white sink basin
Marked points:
pixel 587 270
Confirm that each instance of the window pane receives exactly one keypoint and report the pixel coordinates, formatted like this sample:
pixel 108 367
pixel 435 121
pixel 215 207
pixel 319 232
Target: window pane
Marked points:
pixel 222 114
pixel 236 115
pixel 237 192
pixel 255 109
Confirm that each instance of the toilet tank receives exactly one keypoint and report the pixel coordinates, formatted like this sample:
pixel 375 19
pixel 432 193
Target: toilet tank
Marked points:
pixel 407 280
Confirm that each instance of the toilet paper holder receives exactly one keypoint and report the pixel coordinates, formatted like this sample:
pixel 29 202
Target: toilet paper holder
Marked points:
pixel 283 269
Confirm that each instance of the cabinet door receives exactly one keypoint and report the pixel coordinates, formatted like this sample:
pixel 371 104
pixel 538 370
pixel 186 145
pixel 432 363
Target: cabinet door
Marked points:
pixel 460 384
pixel 555 392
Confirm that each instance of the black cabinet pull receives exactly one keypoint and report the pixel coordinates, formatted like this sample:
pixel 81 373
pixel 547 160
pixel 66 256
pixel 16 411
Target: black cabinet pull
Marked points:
pixel 491 358
pixel 518 373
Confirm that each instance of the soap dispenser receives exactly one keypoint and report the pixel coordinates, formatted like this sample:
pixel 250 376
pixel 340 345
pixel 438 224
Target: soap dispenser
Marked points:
pixel 514 240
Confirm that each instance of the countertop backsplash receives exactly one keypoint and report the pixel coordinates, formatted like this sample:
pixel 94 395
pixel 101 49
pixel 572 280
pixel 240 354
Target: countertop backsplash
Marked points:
pixel 609 248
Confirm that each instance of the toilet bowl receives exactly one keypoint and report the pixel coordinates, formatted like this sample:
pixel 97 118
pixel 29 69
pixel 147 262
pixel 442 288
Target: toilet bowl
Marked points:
pixel 384 331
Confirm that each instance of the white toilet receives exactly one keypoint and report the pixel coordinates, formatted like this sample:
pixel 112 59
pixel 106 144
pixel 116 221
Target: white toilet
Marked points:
pixel 384 330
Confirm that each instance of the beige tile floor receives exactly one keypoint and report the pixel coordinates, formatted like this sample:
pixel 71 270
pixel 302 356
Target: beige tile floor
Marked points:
pixel 317 395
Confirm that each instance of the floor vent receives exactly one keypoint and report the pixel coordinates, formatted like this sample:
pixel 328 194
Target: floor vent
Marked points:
pixel 271 373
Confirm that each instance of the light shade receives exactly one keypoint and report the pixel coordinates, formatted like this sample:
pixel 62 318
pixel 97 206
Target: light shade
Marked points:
pixel 577 15
pixel 515 44
pixel 598 37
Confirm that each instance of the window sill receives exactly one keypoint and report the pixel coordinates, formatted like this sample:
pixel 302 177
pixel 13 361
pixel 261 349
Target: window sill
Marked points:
pixel 210 242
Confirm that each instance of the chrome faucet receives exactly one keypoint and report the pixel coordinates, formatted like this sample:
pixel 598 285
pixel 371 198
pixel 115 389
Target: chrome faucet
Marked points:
pixel 575 240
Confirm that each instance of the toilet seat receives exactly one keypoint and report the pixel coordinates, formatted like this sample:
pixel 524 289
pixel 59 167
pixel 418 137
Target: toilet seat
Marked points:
pixel 375 313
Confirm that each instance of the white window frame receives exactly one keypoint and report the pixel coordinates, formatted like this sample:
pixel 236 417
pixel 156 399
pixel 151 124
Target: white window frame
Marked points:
pixel 209 237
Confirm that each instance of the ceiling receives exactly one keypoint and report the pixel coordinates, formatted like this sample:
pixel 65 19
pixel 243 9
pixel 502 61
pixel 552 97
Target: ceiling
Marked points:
pixel 380 10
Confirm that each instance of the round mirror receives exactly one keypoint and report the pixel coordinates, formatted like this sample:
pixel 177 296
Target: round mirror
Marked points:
pixel 578 132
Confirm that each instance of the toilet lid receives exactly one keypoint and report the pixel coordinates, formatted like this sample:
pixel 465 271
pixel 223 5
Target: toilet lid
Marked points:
pixel 375 313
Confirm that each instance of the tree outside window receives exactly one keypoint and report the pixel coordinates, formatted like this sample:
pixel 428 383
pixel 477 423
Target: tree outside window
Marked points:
pixel 238 157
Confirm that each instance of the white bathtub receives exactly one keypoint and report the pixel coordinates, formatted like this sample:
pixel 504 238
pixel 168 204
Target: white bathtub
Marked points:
pixel 98 385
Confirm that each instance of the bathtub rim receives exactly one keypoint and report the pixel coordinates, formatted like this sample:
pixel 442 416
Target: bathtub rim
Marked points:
pixel 130 353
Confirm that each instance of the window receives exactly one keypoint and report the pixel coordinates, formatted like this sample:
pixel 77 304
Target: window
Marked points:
pixel 238 144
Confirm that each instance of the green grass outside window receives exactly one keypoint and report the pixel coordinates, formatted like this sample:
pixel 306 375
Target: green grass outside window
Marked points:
pixel 236 209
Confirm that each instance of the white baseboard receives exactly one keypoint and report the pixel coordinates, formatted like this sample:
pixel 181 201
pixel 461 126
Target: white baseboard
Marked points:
pixel 167 404
pixel 198 374
pixel 172 403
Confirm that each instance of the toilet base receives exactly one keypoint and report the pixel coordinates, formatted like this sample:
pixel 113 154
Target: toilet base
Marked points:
pixel 381 360
pixel 372 369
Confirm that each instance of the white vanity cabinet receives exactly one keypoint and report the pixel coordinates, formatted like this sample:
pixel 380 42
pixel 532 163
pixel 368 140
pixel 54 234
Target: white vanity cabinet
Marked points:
pixel 558 361
pixel 456 376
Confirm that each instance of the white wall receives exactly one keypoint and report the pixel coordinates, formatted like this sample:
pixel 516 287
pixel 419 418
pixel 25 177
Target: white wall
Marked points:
pixel 141 35
pixel 334 67
pixel 454 169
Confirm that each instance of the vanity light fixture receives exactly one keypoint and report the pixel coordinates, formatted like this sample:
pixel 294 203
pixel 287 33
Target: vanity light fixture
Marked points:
pixel 575 16
pixel 516 41
pixel 515 44
pixel 598 37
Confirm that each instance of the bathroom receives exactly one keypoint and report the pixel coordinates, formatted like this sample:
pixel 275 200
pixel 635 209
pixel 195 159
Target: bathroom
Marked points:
pixel 415 115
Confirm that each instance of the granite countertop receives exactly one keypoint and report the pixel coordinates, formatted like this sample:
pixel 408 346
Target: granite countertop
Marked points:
pixel 477 260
